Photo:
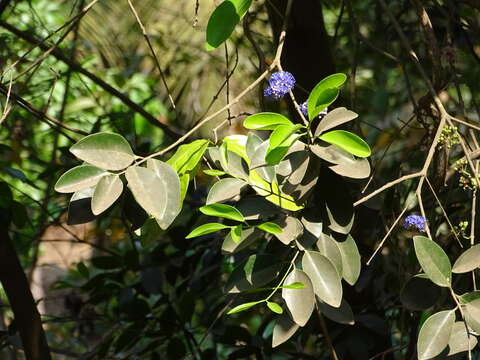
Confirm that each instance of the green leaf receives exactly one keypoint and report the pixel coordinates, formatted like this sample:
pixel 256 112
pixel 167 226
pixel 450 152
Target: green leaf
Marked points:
pixel 351 260
pixel 206 229
pixel 472 314
pixel 470 296
pixel 149 190
pixel 187 156
pixel 328 247
pixel 342 314
pixel 184 180
pixel 236 233
pixel 348 142
pixel 223 20
pixel 79 178
pixel 270 228
pixel 292 229
pixel 460 341
pixel 283 330
pixel 243 307
pixel 214 172
pixel 280 141
pixel 335 118
pixel 83 270
pixel 326 282
pixel 171 183
pixel 275 307
pixel 435 334
pixel 468 261
pixel 300 303
pixel 295 285
pixel 223 150
pixel 224 190
pixel 265 121
pixel 223 211
pixel 434 261
pixel 324 94
pixel 107 191
pixel 105 150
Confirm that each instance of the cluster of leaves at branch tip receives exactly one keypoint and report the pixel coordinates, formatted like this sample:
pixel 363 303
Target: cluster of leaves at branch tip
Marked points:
pixel 262 192
pixel 440 333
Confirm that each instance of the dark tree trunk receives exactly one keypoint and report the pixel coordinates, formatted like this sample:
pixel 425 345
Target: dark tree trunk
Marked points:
pixel 15 284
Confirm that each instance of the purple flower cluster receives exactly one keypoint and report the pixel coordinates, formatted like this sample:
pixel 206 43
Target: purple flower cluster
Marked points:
pixel 415 222
pixel 304 110
pixel 279 84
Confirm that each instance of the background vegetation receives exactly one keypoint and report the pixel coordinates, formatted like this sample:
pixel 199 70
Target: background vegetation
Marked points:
pixel 106 290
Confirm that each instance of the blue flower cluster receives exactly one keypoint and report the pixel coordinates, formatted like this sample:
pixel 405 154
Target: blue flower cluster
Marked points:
pixel 304 110
pixel 415 222
pixel 279 84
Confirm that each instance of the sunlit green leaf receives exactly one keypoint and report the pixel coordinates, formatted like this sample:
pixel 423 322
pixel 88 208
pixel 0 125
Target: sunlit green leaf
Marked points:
pixel 270 227
pixel 435 334
pixel 223 211
pixel 105 150
pixel 214 172
pixel 324 94
pixel 243 307
pixel 206 229
pixel 280 141
pixel 434 261
pixel 468 261
pixel 347 141
pixel 79 178
pixel 275 307
pixel 187 156
pixel 236 233
pixel 108 189
pixel 326 282
pixel 265 121
pixel 300 302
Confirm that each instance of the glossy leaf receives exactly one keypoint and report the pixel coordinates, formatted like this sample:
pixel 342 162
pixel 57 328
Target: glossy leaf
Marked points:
pixel 460 340
pixel 292 228
pixel 472 314
pixel 223 211
pixel 148 189
pixel 270 228
pixel 214 172
pixel 223 20
pixel 79 178
pixel 265 121
pixel 225 190
pixel 326 282
pixel 328 247
pixel 206 229
pixel 468 261
pixel 347 141
pixel 187 156
pixel 324 94
pixel 284 329
pixel 343 163
pixel 335 118
pixel 107 191
pixel 469 296
pixel 105 150
pixel 435 333
pixel 275 307
pixel 434 261
pixel 351 260
pixel 237 144
pixel 342 314
pixel 171 182
pixel 236 233
pixel 243 307
pixel 256 208
pixel 252 144
pixel 259 163
pixel 280 141
pixel 301 302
